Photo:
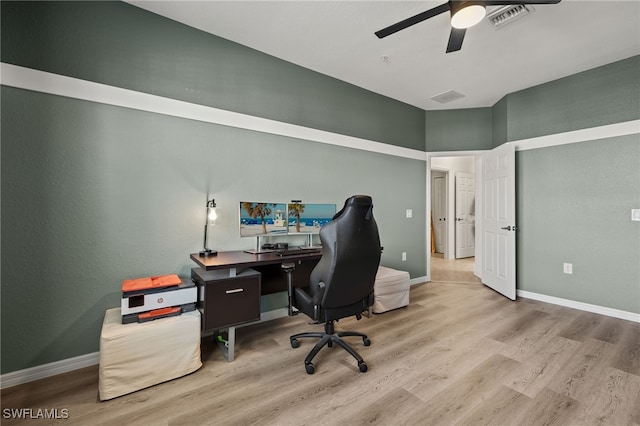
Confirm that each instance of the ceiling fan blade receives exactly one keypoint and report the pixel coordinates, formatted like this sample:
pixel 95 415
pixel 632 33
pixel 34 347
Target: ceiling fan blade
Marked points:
pixel 455 39
pixel 412 20
pixel 510 2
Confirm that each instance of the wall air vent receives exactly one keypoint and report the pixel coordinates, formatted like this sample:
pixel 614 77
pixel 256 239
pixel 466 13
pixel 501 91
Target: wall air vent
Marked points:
pixel 445 97
pixel 507 14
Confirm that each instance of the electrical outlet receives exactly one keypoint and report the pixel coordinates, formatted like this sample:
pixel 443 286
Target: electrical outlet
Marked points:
pixel 635 215
pixel 404 256
pixel 409 213
pixel 567 268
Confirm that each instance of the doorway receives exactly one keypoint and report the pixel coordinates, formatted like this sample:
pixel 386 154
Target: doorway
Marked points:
pixel 495 255
pixel 451 208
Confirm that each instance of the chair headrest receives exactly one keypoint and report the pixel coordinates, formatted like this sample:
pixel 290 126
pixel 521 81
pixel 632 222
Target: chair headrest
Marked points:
pixel 359 202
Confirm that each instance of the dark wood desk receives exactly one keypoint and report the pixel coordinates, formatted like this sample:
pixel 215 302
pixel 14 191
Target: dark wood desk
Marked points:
pixel 268 264
pixel 230 285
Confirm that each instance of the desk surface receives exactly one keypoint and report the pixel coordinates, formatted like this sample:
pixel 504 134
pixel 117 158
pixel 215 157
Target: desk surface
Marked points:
pixel 242 259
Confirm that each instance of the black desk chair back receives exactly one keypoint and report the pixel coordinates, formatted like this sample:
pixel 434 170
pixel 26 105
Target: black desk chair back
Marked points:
pixel 341 284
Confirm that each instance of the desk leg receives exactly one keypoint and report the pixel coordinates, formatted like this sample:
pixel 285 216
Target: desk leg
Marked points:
pixel 228 348
pixel 288 268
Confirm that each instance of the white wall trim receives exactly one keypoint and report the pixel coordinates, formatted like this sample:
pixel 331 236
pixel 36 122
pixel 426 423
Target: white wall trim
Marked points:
pixel 47 370
pixel 583 135
pixel 602 310
pixel 54 84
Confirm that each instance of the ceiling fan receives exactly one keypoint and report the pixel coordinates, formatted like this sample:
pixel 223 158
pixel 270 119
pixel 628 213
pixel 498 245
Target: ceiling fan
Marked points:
pixel 464 14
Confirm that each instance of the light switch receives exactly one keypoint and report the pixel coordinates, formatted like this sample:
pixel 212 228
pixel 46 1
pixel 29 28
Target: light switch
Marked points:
pixel 635 215
pixel 567 268
pixel 409 213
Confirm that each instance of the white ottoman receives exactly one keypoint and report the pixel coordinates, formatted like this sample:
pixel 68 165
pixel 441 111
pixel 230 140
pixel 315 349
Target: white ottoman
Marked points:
pixel 139 355
pixel 391 290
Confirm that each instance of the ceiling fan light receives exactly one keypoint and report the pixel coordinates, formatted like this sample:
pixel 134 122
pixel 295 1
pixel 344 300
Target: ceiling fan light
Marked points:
pixel 468 16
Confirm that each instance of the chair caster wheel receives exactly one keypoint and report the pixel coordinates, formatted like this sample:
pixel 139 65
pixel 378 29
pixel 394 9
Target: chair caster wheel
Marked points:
pixel 295 343
pixel 310 368
pixel 363 366
pixel 366 341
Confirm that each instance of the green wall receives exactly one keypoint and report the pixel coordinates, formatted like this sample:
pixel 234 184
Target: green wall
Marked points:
pixel 597 97
pixel 458 129
pixel 574 206
pixel 574 201
pixel 499 118
pixel 93 194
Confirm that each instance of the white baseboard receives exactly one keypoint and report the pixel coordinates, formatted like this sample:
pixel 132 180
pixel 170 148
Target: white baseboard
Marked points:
pixel 602 310
pixel 47 370
pixel 418 280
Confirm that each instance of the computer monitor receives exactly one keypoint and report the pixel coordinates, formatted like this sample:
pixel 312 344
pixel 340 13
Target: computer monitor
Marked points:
pixel 259 219
pixel 305 218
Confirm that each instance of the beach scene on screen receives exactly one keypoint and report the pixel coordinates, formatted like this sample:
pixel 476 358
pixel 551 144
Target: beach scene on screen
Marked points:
pixel 305 218
pixel 257 218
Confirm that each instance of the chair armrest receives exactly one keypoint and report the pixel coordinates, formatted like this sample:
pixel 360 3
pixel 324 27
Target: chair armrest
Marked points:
pixel 317 298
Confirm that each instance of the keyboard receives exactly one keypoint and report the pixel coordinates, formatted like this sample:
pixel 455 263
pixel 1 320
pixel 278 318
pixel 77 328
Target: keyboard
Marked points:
pixel 293 251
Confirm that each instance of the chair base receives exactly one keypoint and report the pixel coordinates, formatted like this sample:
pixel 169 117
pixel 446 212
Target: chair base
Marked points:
pixel 328 338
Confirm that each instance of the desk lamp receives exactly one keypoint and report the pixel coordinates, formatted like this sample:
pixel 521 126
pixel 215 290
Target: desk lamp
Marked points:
pixel 211 220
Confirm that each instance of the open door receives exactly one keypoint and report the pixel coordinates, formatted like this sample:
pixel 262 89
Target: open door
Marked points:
pixel 465 215
pixel 499 220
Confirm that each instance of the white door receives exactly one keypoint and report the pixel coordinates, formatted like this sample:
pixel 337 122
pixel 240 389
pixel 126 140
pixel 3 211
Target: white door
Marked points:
pixel 439 209
pixel 499 220
pixel 465 215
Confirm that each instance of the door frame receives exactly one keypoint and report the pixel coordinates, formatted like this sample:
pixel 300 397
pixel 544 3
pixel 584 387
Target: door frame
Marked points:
pixel 430 155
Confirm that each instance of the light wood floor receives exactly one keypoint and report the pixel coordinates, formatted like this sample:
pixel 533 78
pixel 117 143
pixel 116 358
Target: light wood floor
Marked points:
pixel 458 354
pixel 452 270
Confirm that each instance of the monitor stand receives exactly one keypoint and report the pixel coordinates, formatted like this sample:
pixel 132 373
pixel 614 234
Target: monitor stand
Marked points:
pixel 259 249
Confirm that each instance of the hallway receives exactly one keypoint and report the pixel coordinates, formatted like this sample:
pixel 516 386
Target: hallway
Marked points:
pixel 453 270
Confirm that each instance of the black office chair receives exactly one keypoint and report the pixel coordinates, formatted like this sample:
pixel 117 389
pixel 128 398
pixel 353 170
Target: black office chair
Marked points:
pixel 341 284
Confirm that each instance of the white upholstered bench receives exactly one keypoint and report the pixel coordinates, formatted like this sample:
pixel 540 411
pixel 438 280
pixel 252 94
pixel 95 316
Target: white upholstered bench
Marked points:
pixel 138 355
pixel 391 290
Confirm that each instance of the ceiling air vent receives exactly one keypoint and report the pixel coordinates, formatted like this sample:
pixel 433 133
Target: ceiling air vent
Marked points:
pixel 507 14
pixel 445 97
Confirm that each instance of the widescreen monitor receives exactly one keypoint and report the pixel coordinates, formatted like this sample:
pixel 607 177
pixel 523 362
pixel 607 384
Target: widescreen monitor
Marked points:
pixel 261 219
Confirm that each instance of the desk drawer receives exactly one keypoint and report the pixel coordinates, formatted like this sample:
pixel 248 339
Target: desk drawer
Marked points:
pixel 225 300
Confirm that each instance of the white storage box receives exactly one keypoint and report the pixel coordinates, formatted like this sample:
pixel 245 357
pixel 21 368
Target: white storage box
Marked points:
pixel 138 355
pixel 391 289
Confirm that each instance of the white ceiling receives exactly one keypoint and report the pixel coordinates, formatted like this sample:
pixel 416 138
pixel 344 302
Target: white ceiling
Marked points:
pixel 337 38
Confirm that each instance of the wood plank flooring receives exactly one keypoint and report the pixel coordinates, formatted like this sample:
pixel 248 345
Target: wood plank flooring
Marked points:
pixel 459 354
